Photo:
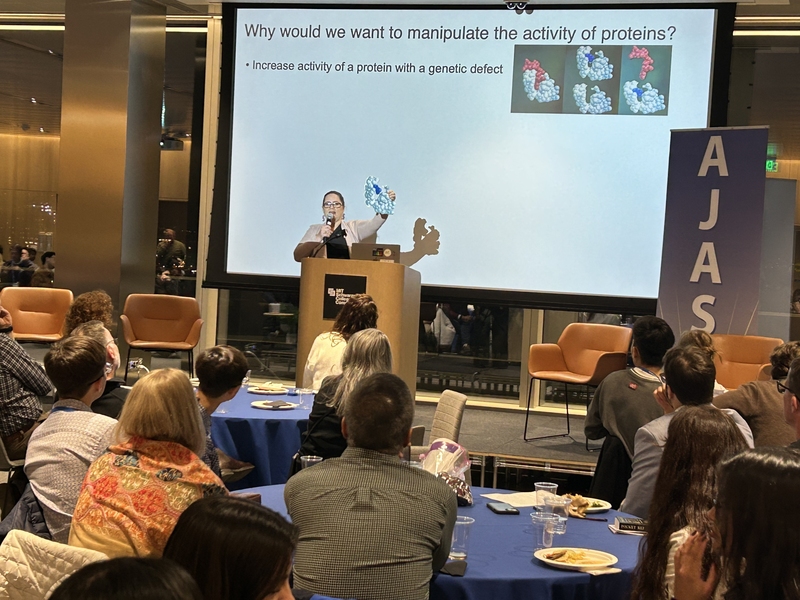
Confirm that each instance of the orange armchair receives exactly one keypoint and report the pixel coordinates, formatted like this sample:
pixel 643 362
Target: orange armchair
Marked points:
pixel 742 358
pixel 584 354
pixel 161 322
pixel 37 313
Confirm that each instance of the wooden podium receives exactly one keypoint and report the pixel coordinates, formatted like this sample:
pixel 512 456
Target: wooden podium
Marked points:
pixel 395 289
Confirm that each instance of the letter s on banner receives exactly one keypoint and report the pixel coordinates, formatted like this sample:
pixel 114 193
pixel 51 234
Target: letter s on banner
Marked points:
pixel 701 313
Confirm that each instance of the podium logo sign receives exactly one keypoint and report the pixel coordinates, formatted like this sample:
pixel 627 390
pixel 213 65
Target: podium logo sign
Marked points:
pixel 338 289
pixel 711 259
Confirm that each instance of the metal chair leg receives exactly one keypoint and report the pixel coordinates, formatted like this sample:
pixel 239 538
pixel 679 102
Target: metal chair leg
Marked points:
pixel 127 362
pixel 527 413
pixel 191 363
pixel 588 402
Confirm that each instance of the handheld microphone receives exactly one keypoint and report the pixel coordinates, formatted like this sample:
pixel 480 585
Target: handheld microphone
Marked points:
pixel 329 223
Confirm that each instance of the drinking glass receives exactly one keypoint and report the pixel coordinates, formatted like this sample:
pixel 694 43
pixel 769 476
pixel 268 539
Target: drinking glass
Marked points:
pixel 543 529
pixel 543 490
pixel 309 461
pixel 458 548
pixel 559 506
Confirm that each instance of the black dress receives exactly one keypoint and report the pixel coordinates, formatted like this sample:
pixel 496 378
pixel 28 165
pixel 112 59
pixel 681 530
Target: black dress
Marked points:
pixel 324 434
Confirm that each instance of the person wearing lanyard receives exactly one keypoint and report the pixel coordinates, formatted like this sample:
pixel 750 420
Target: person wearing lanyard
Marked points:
pixel 624 400
pixel 72 437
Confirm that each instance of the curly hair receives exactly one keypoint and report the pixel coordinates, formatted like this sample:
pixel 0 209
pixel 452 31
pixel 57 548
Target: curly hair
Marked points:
pixel 91 306
pixel 360 312
pixel 699 339
pixel 782 357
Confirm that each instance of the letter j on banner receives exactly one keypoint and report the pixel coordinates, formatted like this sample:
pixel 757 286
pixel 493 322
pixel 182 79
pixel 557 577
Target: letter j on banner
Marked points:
pixel 711 258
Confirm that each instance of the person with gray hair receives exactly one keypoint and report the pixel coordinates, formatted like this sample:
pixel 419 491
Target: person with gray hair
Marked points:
pixel 368 352
pixel 353 512
pixel 113 399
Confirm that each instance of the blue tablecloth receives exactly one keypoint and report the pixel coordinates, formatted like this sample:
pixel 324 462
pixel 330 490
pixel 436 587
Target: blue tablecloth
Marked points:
pixel 501 566
pixel 266 438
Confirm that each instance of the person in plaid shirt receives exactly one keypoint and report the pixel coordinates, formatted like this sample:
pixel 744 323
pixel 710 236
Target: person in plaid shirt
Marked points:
pixel 22 380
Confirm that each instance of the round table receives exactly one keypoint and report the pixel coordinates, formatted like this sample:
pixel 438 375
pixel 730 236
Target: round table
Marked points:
pixel 500 563
pixel 266 438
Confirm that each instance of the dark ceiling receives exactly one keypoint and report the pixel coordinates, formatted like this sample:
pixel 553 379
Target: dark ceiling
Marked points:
pixel 30 68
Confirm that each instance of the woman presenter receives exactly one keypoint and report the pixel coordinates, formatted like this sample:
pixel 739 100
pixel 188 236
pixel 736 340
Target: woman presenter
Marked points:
pixel 333 238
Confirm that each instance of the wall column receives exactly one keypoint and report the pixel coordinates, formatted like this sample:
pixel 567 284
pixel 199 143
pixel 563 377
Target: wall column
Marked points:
pixel 107 213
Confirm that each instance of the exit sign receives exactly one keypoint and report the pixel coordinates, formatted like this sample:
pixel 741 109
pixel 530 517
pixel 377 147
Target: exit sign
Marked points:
pixel 772 165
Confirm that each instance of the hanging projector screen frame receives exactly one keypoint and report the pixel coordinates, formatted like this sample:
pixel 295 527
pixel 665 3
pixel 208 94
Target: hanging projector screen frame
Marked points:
pixel 219 277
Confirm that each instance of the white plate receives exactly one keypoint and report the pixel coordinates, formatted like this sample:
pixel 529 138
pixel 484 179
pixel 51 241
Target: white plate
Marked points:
pixel 606 506
pixel 595 559
pixel 255 390
pixel 264 404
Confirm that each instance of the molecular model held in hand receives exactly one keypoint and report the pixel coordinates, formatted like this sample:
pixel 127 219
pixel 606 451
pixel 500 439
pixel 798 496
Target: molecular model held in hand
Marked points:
pixel 378 197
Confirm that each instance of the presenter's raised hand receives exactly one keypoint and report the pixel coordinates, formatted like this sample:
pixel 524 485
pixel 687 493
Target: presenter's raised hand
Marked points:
pixel 326 231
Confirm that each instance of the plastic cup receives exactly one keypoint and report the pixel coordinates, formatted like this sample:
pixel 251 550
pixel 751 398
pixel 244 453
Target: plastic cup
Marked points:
pixel 458 548
pixel 306 397
pixel 309 461
pixel 543 529
pixel 559 506
pixel 544 489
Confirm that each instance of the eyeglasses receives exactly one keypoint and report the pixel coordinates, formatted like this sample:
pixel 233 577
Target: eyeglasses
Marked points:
pixel 332 205
pixel 783 389
pixel 246 379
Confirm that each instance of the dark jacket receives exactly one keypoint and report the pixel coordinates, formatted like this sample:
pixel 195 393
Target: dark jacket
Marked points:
pixel 26 515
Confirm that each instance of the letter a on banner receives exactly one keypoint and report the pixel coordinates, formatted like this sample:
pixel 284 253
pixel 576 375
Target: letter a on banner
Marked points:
pixel 715 157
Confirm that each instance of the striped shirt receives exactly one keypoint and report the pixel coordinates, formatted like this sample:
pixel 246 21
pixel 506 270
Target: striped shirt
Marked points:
pixel 371 527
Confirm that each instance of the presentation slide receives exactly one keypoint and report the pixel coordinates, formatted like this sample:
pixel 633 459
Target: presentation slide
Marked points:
pixel 526 151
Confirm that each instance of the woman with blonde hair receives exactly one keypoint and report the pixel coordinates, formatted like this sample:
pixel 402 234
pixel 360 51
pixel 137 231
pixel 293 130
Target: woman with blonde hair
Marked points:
pixel 133 494
pixel 368 352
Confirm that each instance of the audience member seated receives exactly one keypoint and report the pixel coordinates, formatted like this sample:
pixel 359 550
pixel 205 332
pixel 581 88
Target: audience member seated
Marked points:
pixel 129 579
pixel 370 526
pixel 44 275
pixel 221 371
pixel 761 404
pixel 134 493
pixel 235 549
pixel 90 306
pixel 325 357
pixel 755 534
pixel 699 438
pixel 22 381
pixel 115 392
pixel 367 352
pixel 701 340
pixel 688 381
pixel 624 402
pixel 62 448
pixel 791 404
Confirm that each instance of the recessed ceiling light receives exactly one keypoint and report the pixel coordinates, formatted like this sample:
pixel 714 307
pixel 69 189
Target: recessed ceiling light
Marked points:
pixel 41 129
pixel 33 100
